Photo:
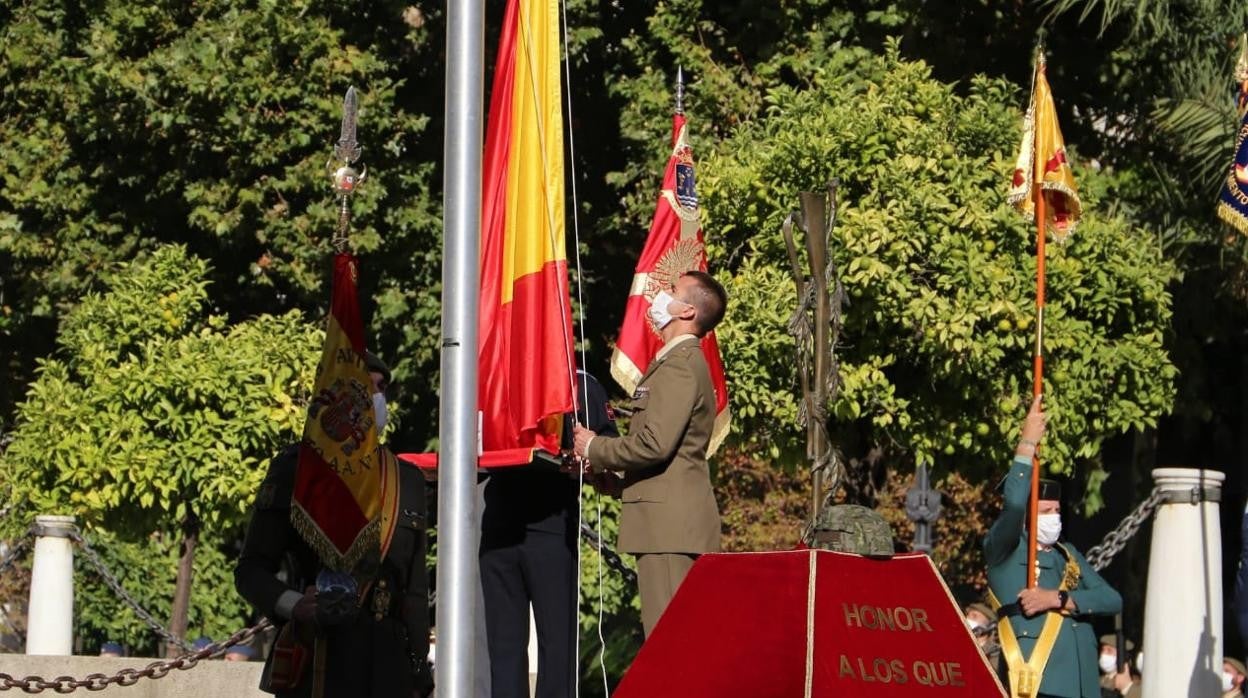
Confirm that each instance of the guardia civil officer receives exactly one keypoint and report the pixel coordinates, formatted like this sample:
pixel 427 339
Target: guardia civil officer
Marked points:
pixel 380 650
pixel 1047 641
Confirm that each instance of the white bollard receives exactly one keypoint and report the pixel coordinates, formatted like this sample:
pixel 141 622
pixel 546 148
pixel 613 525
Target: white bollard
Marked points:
pixel 50 623
pixel 1183 606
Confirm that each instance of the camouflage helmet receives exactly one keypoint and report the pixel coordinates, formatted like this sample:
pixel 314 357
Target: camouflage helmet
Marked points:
pixel 850 528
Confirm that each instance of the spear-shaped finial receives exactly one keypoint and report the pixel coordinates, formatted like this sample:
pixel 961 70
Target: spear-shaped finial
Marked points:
pixel 348 148
pixel 346 178
pixel 680 90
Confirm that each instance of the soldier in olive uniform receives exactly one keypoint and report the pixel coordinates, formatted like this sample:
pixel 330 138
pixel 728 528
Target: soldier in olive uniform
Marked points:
pixel 668 515
pixel 1046 637
pixel 381 651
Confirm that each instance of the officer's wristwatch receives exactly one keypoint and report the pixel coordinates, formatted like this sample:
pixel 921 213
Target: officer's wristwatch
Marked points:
pixel 1062 597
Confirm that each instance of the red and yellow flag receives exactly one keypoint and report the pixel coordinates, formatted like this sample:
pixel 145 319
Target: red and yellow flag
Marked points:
pixel 674 246
pixel 346 485
pixel 1042 162
pixel 525 353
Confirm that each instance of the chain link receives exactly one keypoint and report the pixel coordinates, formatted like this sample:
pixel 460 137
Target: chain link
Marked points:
pixel 1101 555
pixel 111 580
pixel 612 558
pixel 131 676
pixel 19 548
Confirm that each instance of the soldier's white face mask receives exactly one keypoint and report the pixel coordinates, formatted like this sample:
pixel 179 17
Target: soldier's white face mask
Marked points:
pixel 1228 681
pixel 380 411
pixel 1108 663
pixel 1048 528
pixel 658 309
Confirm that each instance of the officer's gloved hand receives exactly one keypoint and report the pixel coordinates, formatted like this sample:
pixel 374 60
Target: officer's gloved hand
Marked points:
pixel 335 607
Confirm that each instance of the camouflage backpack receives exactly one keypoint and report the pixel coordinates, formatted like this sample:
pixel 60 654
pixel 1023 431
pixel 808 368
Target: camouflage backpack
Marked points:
pixel 850 528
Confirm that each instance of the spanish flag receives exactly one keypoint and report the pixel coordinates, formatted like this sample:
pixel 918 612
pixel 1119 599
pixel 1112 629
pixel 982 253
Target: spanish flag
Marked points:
pixel 346 485
pixel 525 360
pixel 674 246
pixel 1042 162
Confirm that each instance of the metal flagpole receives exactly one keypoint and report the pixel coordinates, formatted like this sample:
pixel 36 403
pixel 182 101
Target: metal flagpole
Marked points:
pixel 458 574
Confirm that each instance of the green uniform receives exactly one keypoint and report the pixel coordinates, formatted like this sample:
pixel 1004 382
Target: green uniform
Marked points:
pixel 1072 667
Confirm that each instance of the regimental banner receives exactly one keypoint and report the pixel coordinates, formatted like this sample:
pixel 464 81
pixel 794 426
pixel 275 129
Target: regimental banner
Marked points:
pixel 811 623
pixel 674 246
pixel 1042 163
pixel 1232 206
pixel 346 485
pixel 525 359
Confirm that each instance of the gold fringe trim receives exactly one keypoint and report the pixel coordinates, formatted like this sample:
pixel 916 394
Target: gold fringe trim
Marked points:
pixel 625 372
pixel 364 543
pixel 723 425
pixel 1228 215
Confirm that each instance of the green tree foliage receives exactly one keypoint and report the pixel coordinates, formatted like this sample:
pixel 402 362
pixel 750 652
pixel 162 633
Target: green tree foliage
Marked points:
pixel 939 271
pixel 155 412
pixel 210 124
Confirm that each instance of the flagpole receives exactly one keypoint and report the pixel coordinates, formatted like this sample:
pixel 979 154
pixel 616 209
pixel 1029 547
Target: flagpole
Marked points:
pixel 458 574
pixel 1037 382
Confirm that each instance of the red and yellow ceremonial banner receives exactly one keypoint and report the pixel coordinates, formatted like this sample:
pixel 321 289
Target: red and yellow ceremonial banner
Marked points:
pixel 346 485
pixel 525 353
pixel 675 245
pixel 1042 162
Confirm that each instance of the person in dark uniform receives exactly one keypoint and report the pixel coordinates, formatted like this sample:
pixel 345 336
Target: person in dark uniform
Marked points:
pixel 379 651
pixel 528 555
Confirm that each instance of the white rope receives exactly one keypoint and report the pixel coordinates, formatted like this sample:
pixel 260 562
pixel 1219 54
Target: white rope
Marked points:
pixel 580 302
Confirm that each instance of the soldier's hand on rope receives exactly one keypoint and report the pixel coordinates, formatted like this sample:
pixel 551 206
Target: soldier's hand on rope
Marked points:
pixel 581 438
pixel 1033 429
pixel 1037 600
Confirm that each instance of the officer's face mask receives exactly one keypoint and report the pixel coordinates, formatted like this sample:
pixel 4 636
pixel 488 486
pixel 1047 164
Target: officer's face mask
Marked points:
pixel 1228 681
pixel 380 411
pixel 1108 663
pixel 1048 528
pixel 658 310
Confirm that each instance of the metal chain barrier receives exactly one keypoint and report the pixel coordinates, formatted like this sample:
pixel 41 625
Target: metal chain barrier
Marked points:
pixel 111 580
pixel 1100 555
pixel 130 676
pixel 612 558
pixel 19 548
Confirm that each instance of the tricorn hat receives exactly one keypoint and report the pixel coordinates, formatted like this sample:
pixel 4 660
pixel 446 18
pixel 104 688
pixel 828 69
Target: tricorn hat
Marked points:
pixel 374 364
pixel 1050 489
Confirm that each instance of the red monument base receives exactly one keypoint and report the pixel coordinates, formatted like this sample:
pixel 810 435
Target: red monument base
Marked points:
pixel 811 624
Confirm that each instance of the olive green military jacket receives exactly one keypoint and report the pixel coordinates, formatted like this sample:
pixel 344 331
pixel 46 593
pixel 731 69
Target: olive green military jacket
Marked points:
pixel 1072 668
pixel 668 505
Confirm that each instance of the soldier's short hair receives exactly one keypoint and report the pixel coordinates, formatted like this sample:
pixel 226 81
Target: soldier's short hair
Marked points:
pixel 710 298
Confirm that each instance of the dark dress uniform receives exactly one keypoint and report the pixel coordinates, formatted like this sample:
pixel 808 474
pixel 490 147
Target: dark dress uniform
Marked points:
pixel 383 651
pixel 528 554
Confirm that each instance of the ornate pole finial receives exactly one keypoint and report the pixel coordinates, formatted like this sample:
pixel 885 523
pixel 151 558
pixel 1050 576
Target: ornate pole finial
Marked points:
pixel 346 178
pixel 680 90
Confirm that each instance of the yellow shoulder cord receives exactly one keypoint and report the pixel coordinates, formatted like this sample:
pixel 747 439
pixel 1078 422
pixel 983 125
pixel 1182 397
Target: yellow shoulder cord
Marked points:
pixel 1026 674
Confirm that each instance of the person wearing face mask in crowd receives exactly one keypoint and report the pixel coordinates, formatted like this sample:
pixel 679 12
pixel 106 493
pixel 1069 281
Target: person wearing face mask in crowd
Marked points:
pixel 668 513
pixel 1114 682
pixel 1046 635
pixel 378 651
pixel 1233 674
